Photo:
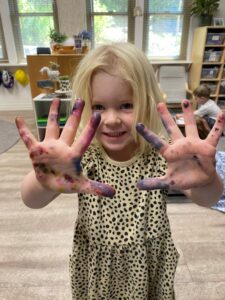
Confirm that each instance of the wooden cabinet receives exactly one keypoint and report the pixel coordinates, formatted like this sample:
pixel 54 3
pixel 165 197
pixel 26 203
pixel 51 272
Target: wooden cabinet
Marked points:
pixel 208 66
pixel 67 63
pixel 41 105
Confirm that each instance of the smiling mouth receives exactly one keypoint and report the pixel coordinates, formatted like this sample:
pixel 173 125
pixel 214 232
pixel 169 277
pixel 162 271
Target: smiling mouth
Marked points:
pixel 114 134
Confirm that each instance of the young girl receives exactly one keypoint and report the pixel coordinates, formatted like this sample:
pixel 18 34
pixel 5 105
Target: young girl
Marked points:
pixel 122 242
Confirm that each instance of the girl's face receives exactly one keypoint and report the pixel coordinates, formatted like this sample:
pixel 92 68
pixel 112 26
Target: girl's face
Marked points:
pixel 112 98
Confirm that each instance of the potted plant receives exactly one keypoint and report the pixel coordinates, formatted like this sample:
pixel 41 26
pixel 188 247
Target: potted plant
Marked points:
pixel 57 39
pixel 205 9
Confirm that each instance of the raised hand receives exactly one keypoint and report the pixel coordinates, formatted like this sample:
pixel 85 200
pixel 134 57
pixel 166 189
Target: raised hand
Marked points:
pixel 190 160
pixel 56 160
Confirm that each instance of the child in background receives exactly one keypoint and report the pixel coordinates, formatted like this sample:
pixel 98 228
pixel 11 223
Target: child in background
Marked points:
pixel 122 247
pixel 207 110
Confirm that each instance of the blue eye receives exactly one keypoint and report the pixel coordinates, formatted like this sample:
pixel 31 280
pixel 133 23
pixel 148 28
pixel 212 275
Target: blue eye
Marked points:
pixel 127 106
pixel 97 107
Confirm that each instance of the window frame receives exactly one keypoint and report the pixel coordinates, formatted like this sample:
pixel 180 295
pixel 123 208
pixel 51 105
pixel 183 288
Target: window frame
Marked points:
pixel 4 51
pixel 185 29
pixel 15 16
pixel 90 14
pixel 140 25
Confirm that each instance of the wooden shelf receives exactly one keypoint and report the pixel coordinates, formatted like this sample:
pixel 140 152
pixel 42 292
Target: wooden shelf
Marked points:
pixel 67 65
pixel 208 40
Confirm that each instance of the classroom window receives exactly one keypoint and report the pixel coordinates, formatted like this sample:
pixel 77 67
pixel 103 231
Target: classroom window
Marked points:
pixel 31 21
pixel 166 25
pixel 110 21
pixel 3 54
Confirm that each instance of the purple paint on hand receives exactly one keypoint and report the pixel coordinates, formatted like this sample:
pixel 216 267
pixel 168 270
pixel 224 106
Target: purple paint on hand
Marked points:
pixel 77 166
pixel 102 189
pixel 186 103
pixel 152 184
pixel 78 107
pixel 95 120
pixel 151 138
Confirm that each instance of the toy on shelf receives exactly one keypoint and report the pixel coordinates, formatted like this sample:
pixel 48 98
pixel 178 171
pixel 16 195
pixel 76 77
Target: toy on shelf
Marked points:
pixel 52 72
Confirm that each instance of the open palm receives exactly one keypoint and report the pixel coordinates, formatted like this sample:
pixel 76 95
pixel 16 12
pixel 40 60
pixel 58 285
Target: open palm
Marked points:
pixel 190 160
pixel 56 160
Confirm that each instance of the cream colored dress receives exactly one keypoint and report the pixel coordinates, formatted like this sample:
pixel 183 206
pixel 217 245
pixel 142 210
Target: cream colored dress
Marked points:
pixel 122 246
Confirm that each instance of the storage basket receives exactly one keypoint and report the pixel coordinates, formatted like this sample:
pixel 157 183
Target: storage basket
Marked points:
pixel 213 56
pixel 215 38
pixel 209 72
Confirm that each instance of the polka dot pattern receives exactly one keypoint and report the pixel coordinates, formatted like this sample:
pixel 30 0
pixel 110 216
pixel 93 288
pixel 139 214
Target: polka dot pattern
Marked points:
pixel 122 247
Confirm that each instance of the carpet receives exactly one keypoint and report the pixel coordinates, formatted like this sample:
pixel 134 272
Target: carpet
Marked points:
pixel 9 135
pixel 220 167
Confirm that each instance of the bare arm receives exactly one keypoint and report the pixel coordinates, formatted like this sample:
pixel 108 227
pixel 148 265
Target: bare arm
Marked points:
pixel 207 195
pixel 190 160
pixel 57 159
pixel 34 194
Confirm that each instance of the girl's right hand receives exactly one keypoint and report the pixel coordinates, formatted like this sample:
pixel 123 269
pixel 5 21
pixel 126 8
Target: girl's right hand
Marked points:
pixel 56 159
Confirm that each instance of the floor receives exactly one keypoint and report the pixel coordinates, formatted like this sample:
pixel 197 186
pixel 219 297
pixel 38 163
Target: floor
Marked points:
pixel 35 244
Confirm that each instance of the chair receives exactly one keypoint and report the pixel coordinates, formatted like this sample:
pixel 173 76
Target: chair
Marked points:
pixel 173 83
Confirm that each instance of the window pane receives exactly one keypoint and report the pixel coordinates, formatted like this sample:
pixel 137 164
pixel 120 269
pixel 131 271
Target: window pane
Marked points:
pixel 171 6
pixel 3 55
pixel 35 32
pixel 34 6
pixel 164 37
pixel 31 21
pixel 110 29
pixel 110 6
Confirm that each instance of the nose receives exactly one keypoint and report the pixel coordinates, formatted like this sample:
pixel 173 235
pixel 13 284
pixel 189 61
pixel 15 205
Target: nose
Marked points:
pixel 111 117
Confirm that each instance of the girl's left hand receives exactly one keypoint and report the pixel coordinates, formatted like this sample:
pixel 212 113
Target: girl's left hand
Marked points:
pixel 190 160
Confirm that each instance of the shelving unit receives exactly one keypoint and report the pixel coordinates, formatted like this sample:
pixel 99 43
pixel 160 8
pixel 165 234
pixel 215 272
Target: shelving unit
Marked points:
pixel 208 54
pixel 67 66
pixel 41 101
pixel 41 105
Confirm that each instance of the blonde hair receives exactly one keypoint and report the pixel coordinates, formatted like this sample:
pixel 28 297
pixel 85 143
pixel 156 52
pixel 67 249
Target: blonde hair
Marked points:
pixel 131 65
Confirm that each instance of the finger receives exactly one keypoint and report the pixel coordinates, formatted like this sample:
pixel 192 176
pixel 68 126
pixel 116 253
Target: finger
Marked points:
pixel 214 135
pixel 68 184
pixel 158 183
pixel 70 128
pixel 169 123
pixel 98 189
pixel 52 129
pixel 189 119
pixel 152 138
pixel 84 140
pixel 25 134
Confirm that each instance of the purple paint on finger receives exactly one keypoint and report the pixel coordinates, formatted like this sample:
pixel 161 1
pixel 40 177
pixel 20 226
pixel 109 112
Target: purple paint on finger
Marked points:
pixel 152 184
pixel 186 103
pixel 95 120
pixel 54 117
pixel 102 189
pixel 78 107
pixel 151 138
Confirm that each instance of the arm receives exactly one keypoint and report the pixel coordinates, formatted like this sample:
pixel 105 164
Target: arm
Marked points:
pixel 34 194
pixel 207 195
pixel 56 160
pixel 190 160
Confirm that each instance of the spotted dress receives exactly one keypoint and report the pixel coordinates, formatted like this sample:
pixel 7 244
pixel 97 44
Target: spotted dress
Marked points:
pixel 122 247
